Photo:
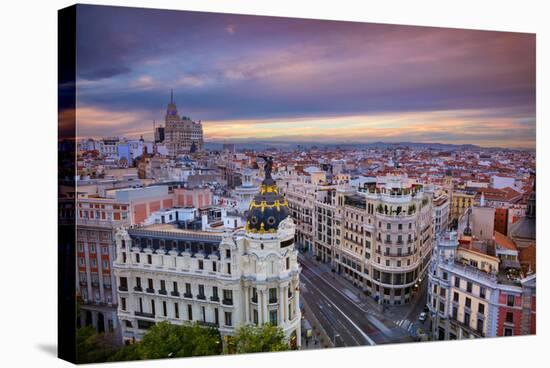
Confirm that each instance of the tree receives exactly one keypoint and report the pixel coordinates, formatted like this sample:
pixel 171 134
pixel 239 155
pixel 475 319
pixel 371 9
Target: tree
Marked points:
pixel 255 339
pixel 166 340
pixel 92 347
pixel 126 353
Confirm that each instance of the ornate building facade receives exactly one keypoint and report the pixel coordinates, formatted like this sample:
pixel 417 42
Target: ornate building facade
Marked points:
pixel 224 279
pixel 385 237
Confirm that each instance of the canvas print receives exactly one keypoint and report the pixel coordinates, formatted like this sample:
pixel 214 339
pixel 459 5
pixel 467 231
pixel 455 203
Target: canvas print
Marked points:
pixel 237 184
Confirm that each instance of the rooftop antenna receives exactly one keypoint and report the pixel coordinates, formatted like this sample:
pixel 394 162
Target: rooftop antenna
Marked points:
pixel 171 95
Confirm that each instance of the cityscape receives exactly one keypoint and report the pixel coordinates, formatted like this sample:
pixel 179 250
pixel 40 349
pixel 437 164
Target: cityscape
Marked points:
pixel 226 227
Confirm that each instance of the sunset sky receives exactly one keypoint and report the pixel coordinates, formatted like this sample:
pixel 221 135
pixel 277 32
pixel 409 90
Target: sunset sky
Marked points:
pixel 302 80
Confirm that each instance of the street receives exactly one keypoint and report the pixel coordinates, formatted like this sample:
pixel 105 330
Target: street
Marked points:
pixel 344 315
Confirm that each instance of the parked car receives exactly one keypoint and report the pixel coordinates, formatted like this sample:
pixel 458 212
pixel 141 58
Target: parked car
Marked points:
pixel 423 316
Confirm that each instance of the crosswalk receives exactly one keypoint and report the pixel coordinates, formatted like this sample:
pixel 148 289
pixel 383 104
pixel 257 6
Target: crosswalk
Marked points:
pixel 405 324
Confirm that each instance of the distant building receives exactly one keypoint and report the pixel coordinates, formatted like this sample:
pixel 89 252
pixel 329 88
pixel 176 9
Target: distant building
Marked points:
pixel 228 147
pixel 181 134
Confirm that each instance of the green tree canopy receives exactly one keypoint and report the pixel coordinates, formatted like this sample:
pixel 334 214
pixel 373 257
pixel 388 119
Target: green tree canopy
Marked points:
pixel 255 339
pixel 166 340
pixel 92 347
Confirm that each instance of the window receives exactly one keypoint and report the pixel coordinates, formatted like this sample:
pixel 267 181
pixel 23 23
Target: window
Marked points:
pixel 479 326
pixel 509 317
pixel 255 316
pixel 273 295
pixel 189 312
pixel 153 307
pixel 175 287
pixel 469 286
pixel 123 257
pixel 215 292
pixel 455 297
pixel 508 331
pixel 482 292
pixel 388 226
pixel 273 317
pixel 457 282
pixel 123 304
pixel 468 302
pixel 442 292
pixel 94 263
pixel 229 268
pixel 287 263
pixel 228 321
pixel 187 290
pixel 150 288
pixel 138 282
pixel 123 285
pixel 510 300
pixel 105 250
pixel 214 266
pixel 481 308
pixel 455 313
pixel 201 292
pixel 176 310
pixel 228 297
pixel 467 318
pixel 201 264
pixel 445 276
pixel 81 261
pixel 164 311
pixel 92 248
pixel 162 285
pixel 149 259
pixel 137 257
pixel 228 255
pixel 442 307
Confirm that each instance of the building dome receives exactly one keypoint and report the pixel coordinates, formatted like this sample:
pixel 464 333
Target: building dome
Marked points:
pixel 268 208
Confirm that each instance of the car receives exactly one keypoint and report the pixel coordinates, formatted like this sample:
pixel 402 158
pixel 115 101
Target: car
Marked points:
pixel 422 317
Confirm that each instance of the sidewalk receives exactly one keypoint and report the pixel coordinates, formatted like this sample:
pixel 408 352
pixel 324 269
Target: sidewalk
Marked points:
pixel 315 340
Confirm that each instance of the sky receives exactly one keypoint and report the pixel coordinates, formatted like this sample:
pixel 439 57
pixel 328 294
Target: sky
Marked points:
pixel 301 80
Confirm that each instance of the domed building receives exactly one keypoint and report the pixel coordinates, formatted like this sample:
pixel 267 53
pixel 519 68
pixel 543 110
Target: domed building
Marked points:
pixel 268 209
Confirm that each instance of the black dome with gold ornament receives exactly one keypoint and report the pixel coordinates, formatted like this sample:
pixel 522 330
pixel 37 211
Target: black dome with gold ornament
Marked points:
pixel 268 208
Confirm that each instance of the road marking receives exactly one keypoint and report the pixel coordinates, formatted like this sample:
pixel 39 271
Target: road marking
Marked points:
pixel 365 336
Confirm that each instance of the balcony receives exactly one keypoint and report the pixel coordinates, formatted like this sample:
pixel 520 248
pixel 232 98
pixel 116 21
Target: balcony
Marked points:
pixel 144 314
pixel 163 292
pixel 272 300
pixel 150 290
pixel 201 296
pixel 215 298
pixel 227 301
pixel 138 288
pixel 188 295
pixel 175 293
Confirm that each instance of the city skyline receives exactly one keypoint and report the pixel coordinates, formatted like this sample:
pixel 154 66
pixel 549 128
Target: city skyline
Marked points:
pixel 304 80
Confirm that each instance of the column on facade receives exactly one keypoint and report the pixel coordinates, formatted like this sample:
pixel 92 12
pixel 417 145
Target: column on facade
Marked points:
pixel 246 304
pixel 296 300
pixel 264 306
pixel 281 305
